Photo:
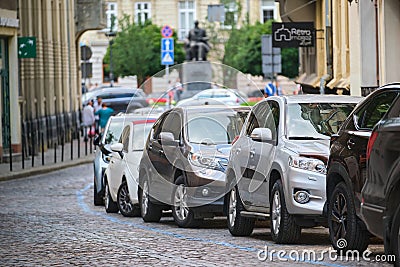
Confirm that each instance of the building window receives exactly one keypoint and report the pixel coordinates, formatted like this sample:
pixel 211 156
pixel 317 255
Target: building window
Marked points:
pixel 112 12
pixel 267 10
pixel 231 13
pixel 187 15
pixel 142 12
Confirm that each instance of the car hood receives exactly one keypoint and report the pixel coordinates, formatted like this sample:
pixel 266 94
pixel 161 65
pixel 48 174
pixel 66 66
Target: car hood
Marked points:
pixel 309 147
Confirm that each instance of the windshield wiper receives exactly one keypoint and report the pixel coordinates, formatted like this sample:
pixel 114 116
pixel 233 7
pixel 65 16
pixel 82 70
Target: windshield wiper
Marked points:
pixel 307 138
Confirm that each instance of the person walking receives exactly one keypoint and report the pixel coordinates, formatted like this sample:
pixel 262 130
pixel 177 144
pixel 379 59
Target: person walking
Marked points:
pixel 97 107
pixel 88 119
pixel 104 114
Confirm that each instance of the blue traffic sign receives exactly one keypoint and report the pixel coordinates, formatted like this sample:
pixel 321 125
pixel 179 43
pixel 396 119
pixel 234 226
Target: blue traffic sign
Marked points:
pixel 167 58
pixel 167 31
pixel 167 44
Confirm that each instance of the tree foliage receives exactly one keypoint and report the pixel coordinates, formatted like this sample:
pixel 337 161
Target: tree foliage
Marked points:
pixel 243 51
pixel 136 50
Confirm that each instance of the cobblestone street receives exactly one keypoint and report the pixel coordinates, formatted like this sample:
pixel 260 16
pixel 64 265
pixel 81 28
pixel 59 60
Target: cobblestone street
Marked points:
pixel 50 220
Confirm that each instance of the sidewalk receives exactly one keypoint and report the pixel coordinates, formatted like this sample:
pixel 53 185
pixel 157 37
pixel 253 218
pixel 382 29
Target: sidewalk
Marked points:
pixel 50 164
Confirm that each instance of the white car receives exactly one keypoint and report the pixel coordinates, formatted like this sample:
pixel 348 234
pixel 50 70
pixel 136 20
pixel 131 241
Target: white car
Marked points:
pixel 121 176
pixel 220 96
pixel 277 165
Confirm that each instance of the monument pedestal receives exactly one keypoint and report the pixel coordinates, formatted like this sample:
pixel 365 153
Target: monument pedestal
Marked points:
pixel 196 77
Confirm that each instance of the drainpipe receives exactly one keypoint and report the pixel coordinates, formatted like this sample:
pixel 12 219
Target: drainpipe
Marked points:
pixel 377 42
pixel 328 46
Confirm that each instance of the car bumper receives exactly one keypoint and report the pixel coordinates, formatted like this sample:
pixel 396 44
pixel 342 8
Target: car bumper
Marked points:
pixel 311 182
pixel 373 219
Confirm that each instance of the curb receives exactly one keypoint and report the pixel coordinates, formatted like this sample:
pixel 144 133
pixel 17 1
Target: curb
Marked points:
pixel 44 169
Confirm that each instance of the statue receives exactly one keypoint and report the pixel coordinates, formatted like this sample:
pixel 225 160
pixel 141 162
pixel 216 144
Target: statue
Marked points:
pixel 197 47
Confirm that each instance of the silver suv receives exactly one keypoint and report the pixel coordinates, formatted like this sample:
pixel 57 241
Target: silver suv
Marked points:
pixel 277 165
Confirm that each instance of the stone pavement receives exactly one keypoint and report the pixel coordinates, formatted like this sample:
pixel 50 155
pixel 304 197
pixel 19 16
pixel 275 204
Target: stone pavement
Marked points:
pixel 52 159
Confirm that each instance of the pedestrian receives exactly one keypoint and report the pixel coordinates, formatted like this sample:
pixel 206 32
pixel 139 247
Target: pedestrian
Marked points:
pixel 88 120
pixel 279 90
pixel 178 89
pixel 270 89
pixel 104 114
pixel 97 107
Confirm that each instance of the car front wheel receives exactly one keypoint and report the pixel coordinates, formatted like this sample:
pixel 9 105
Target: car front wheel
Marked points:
pixel 182 213
pixel 150 212
pixel 237 224
pixel 110 205
pixel 284 229
pixel 125 205
pixel 345 228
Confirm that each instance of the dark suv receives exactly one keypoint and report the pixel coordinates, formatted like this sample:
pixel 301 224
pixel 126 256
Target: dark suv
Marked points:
pixel 346 170
pixel 380 207
pixel 184 161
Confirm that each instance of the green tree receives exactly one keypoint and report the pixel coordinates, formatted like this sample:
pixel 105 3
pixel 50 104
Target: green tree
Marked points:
pixel 136 50
pixel 243 51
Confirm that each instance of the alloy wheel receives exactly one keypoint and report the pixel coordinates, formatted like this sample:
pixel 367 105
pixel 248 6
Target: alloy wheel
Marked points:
pixel 276 212
pixel 145 198
pixel 181 208
pixel 339 217
pixel 232 207
pixel 124 200
pixel 106 196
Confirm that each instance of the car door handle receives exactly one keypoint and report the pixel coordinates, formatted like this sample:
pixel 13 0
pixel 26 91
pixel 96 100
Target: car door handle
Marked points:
pixel 161 152
pixel 238 150
pixel 112 161
pixel 350 143
pixel 252 153
pixel 150 147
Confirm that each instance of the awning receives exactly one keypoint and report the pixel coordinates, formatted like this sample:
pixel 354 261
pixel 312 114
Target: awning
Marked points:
pixel 341 86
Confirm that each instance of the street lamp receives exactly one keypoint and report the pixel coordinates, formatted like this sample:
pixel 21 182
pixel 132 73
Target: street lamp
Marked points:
pixel 110 35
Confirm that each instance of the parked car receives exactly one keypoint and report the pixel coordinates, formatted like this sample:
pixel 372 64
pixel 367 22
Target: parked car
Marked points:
pixel 277 165
pixel 121 99
pixel 346 170
pixel 184 161
pixel 380 202
pixel 111 135
pixel 224 96
pixel 157 98
pixel 121 176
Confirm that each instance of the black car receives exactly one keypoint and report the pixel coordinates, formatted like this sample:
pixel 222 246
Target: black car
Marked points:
pixel 184 161
pixel 120 99
pixel 346 170
pixel 380 207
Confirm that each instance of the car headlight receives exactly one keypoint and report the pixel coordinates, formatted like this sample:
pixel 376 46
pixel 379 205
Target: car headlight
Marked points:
pixel 309 164
pixel 200 160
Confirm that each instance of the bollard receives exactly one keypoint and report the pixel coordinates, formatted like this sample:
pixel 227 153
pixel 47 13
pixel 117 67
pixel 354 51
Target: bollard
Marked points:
pixel 72 146
pixel 90 144
pixel 55 151
pixel 62 146
pixel 79 146
pixel 42 140
pixel 33 147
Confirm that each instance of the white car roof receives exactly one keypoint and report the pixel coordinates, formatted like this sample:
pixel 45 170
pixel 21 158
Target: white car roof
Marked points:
pixel 310 98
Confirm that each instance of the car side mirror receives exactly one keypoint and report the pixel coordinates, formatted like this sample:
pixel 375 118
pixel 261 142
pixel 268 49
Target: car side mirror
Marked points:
pixel 96 140
pixel 118 147
pixel 167 138
pixel 261 135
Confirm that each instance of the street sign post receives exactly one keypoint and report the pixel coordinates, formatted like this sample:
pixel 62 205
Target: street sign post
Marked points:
pixel 271 57
pixel 167 31
pixel 167 51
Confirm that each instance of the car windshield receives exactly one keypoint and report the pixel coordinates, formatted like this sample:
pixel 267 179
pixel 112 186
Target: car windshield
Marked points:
pixel 140 133
pixel 211 128
pixel 114 132
pixel 316 120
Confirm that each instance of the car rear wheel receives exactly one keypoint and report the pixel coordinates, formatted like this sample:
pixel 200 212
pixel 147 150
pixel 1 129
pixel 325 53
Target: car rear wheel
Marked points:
pixel 284 229
pixel 125 205
pixel 110 205
pixel 345 228
pixel 237 224
pixel 98 198
pixel 182 213
pixel 150 211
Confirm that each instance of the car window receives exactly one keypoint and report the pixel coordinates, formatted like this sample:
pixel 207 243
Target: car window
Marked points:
pixel 318 120
pixel 125 138
pixel 370 114
pixel 113 132
pixel 394 111
pixel 140 133
pixel 173 124
pixel 263 117
pixel 158 126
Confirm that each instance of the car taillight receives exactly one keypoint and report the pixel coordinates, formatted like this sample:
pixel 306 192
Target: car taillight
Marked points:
pixel 371 142
pixel 235 139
